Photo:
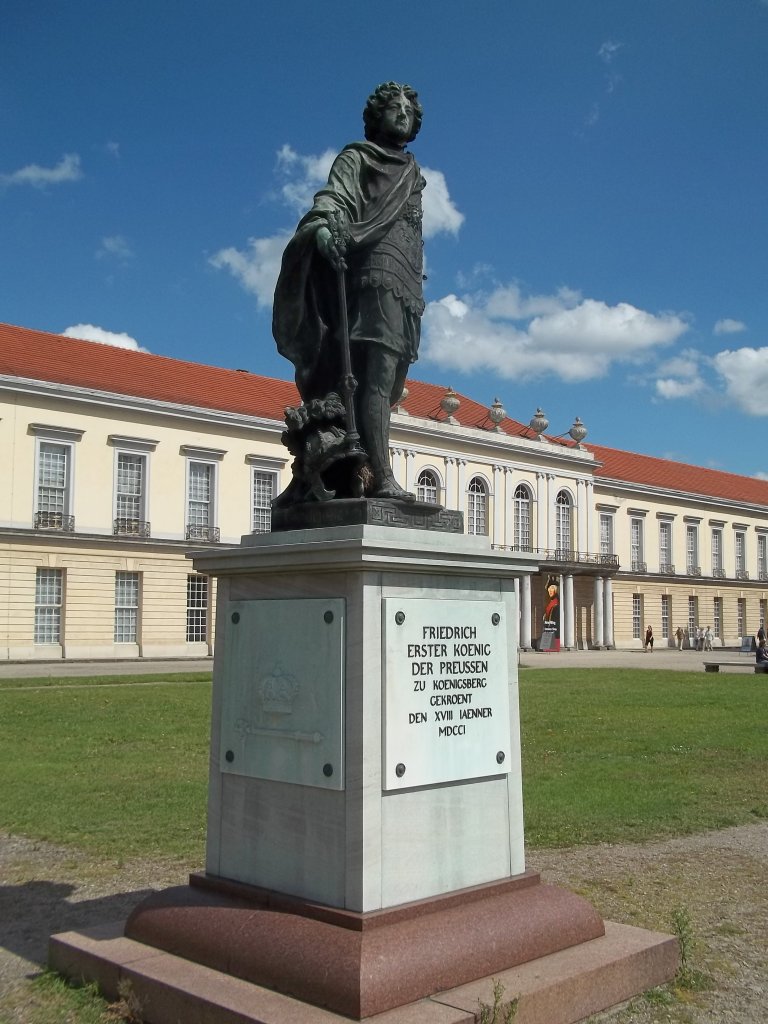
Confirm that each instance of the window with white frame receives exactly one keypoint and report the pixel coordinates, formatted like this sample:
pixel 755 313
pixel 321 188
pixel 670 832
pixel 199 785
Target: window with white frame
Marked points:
pixel 717 616
pixel 636 544
pixel 606 534
pixel 54 463
pixel 637 616
pixel 427 487
pixel 692 549
pixel 693 615
pixel 762 556
pixel 717 552
pixel 563 528
pixel 666 615
pixel 198 591
pixel 201 492
pixel 126 607
pixel 761 612
pixel 741 616
pixel 49 593
pixel 522 515
pixel 130 494
pixel 665 545
pixel 740 552
pixel 477 507
pixel 263 490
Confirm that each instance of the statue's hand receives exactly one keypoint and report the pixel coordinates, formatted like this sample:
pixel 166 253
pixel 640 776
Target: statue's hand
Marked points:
pixel 327 246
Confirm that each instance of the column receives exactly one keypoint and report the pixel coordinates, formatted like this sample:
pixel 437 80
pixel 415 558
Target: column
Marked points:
pixel 541 511
pixel 395 458
pixel 451 482
pixel 461 484
pixel 597 624
pixel 561 592
pixel 570 613
pixel 509 509
pixel 525 613
pixel 582 534
pixel 410 457
pixel 497 536
pixel 609 612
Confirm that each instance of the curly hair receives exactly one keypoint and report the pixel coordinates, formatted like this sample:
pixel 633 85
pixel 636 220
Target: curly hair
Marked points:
pixel 377 102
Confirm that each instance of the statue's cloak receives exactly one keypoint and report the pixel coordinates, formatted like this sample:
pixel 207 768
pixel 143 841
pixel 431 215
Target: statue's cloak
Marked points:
pixel 369 185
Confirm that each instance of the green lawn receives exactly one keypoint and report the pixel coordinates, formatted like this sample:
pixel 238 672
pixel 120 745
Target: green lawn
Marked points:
pixel 608 755
pixel 621 755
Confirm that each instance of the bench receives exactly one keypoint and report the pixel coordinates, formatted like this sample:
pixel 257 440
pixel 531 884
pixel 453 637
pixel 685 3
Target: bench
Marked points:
pixel 714 666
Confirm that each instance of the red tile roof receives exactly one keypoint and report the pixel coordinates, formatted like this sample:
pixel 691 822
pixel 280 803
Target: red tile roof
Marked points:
pixel 678 476
pixel 38 355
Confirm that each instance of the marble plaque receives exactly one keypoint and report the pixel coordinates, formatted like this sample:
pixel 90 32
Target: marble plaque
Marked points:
pixel 281 715
pixel 445 691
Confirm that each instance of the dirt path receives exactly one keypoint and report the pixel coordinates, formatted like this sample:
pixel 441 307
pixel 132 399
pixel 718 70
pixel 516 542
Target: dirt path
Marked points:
pixel 719 878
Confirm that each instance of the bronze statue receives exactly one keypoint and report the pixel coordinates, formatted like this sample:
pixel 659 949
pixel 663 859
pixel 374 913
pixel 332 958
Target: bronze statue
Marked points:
pixel 348 306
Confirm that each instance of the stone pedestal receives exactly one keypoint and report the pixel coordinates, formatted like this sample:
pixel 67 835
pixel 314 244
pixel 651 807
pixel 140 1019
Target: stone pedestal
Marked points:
pixel 365 820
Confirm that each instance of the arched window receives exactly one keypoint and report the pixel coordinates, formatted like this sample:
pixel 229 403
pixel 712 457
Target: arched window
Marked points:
pixel 477 507
pixel 427 487
pixel 522 518
pixel 563 522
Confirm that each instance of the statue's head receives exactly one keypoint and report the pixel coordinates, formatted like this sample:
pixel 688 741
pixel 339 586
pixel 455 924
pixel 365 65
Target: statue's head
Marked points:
pixel 378 103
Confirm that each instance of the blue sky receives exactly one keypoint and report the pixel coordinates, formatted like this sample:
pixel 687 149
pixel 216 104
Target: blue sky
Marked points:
pixel 596 212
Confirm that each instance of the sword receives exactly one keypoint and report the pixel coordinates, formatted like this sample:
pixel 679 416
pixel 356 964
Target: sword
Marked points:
pixel 348 382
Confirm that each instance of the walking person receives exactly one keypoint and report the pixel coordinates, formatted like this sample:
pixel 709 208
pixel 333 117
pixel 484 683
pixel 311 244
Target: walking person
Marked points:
pixel 649 639
pixel 708 637
pixel 679 637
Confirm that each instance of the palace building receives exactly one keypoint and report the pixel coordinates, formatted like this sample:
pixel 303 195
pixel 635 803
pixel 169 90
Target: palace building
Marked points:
pixel 116 464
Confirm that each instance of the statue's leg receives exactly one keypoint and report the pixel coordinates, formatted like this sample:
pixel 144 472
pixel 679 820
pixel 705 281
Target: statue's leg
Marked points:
pixel 377 369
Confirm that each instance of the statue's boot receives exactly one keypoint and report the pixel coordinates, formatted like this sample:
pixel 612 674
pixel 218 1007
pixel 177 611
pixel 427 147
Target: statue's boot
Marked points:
pixel 374 427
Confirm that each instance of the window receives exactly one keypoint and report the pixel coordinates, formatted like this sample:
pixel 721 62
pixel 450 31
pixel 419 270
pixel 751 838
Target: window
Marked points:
pixel 427 487
pixel 692 550
pixel 717 554
pixel 693 615
pixel 53 476
pixel 762 607
pixel 263 491
pixel 606 534
pixel 197 609
pixel 741 616
pixel 739 545
pixel 563 523
pixel 131 495
pixel 522 512
pixel 665 547
pixel 126 607
pixel 637 616
pixel 666 602
pixel 477 507
pixel 717 617
pixel 637 545
pixel 201 490
pixel 762 556
pixel 49 587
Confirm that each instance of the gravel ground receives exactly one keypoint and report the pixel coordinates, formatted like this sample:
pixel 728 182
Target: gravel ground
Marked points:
pixel 718 878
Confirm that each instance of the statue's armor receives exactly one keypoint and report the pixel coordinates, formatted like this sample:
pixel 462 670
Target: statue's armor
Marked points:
pixel 396 263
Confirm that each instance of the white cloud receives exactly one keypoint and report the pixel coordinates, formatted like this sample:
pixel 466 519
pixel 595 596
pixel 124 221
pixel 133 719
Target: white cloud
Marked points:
pixel 305 173
pixel 67 169
pixel 524 338
pixel 440 213
pixel 89 332
pixel 608 50
pixel 113 148
pixel 728 326
pixel 744 373
pixel 256 267
pixel 761 475
pixel 671 388
pixel 115 245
